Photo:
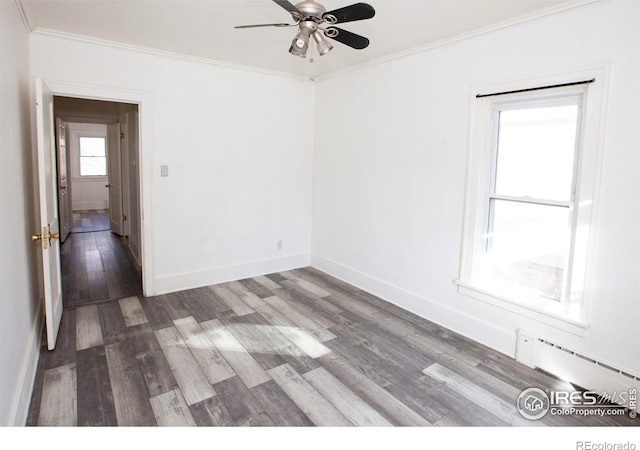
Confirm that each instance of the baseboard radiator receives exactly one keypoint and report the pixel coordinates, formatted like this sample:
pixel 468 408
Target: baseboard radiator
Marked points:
pixel 574 367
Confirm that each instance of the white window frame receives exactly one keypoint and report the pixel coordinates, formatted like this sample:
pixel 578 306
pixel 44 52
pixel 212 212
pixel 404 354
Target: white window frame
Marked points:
pixel 571 314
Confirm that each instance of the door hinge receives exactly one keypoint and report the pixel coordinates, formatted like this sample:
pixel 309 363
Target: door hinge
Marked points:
pixel 124 217
pixel 121 135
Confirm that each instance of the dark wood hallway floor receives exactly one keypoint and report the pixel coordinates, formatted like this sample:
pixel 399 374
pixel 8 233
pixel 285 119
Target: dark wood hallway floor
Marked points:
pixel 297 348
pixel 90 220
pixel 97 267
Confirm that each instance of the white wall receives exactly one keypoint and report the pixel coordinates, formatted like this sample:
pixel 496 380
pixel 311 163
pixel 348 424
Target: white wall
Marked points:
pixel 90 194
pixel 390 162
pixel 239 152
pixel 19 327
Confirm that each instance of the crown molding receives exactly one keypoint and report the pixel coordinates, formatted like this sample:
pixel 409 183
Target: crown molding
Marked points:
pixel 163 53
pixel 530 17
pixel 25 14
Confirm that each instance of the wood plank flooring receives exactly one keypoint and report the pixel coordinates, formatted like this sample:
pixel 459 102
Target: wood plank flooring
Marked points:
pixel 96 267
pixel 90 220
pixel 297 348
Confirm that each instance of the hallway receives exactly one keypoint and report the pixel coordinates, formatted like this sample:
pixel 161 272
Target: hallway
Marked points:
pixel 90 220
pixel 96 266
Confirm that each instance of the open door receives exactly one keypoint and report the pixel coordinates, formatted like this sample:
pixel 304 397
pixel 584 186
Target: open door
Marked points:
pixel 48 235
pixel 63 181
pixel 114 156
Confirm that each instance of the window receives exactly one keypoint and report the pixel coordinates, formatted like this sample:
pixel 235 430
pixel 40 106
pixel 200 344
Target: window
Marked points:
pixel 93 157
pixel 531 195
pixel 530 200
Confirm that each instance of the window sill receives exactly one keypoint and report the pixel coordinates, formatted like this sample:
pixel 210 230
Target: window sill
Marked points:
pixel 550 314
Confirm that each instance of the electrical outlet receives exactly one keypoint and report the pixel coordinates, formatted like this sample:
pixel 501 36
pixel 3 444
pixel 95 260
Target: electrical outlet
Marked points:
pixel 279 245
pixel 164 171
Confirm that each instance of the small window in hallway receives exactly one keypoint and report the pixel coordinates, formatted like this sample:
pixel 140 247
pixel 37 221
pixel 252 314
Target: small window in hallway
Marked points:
pixel 93 157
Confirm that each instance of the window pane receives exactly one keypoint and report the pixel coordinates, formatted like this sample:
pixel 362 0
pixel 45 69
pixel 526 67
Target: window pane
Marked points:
pixel 536 148
pixel 93 161
pixel 91 146
pixel 93 166
pixel 528 245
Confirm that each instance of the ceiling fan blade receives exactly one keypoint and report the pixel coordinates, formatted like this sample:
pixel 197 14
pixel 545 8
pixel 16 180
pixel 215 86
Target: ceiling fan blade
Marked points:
pixel 347 38
pixel 357 11
pixel 295 12
pixel 267 25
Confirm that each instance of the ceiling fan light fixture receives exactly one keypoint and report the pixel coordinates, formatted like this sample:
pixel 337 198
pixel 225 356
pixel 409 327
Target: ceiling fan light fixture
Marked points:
pixel 300 44
pixel 323 45
pixel 309 16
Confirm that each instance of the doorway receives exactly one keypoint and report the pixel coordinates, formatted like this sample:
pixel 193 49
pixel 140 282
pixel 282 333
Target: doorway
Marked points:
pixel 98 198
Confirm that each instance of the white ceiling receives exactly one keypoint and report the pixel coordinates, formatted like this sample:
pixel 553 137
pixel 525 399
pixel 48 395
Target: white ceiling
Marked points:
pixel 205 28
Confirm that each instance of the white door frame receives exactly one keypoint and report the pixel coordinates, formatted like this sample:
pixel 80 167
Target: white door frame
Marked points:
pixel 144 101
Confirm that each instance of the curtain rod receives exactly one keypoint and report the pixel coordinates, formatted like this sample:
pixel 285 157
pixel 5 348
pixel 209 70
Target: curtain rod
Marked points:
pixel 574 83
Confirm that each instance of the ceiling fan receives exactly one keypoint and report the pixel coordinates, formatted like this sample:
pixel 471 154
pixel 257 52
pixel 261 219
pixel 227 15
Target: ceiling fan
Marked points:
pixel 310 16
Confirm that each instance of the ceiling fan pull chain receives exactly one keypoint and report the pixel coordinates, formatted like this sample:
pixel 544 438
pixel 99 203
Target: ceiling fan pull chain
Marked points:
pixel 311 60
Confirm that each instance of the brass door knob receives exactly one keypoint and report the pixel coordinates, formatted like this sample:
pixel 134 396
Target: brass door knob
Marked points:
pixel 46 237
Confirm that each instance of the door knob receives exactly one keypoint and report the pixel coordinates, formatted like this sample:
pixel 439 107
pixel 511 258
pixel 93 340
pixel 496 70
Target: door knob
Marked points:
pixel 107 185
pixel 46 237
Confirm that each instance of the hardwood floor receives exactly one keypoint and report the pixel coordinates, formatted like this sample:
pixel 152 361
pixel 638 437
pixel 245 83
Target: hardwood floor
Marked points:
pixel 297 348
pixel 96 267
pixel 90 220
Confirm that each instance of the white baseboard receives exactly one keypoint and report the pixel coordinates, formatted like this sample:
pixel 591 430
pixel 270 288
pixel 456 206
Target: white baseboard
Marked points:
pixel 22 397
pixel 471 327
pixel 134 249
pixel 174 283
